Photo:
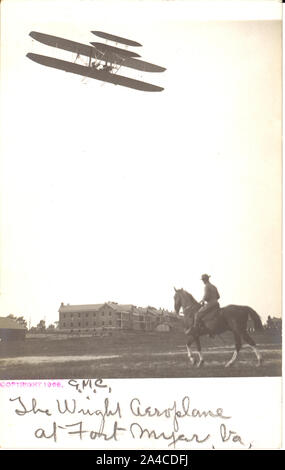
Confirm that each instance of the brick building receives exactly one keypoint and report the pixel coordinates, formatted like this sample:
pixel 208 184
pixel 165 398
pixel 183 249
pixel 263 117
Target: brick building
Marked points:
pixel 110 315
pixel 87 318
pixel 147 318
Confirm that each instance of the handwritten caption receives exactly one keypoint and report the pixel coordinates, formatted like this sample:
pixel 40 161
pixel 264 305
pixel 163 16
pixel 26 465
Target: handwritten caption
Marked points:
pixel 90 411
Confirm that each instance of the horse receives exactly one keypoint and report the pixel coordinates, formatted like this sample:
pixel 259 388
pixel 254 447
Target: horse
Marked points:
pixel 231 318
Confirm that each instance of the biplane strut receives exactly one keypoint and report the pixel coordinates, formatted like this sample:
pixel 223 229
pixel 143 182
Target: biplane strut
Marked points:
pixel 107 60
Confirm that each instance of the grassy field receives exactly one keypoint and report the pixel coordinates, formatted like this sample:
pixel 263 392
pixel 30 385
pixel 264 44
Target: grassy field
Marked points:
pixel 134 355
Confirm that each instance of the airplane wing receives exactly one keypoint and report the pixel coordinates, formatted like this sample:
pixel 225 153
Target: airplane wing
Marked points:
pixel 92 73
pixel 90 51
pixel 125 58
pixel 141 65
pixel 65 44
pixel 111 37
pixel 105 49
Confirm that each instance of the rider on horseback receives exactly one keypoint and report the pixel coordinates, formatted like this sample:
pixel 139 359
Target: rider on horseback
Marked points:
pixel 209 303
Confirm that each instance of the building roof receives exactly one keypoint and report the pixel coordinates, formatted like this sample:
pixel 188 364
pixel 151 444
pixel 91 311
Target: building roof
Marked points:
pixel 121 307
pixel 9 324
pixel 126 308
pixel 79 308
pixel 95 307
pixel 146 310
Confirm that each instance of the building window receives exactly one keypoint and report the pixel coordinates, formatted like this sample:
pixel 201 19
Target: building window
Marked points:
pixel 71 324
pixel 79 324
pixel 103 313
pixel 103 323
pixel 110 313
pixel 87 314
pixel 94 324
pixel 63 324
pixel 110 322
pixel 79 314
pixel 86 324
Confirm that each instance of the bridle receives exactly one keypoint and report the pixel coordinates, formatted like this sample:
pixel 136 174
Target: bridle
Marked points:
pixel 189 307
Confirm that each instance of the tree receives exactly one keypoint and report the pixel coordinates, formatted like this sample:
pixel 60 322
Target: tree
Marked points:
pixel 41 325
pixel 19 320
pixel 22 321
pixel 12 316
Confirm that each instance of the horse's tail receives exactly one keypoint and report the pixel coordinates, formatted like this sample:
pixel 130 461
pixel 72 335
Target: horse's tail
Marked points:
pixel 256 319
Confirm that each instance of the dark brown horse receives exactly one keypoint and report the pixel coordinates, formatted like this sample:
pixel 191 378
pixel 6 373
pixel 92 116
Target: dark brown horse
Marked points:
pixel 232 318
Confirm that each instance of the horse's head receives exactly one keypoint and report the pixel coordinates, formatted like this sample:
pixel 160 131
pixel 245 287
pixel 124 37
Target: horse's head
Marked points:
pixel 177 300
pixel 182 298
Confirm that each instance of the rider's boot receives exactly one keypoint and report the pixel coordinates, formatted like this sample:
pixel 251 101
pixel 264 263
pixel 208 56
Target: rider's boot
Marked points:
pixel 199 325
pixel 192 329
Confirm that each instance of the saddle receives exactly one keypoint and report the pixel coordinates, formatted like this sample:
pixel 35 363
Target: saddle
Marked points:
pixel 206 324
pixel 209 322
pixel 213 312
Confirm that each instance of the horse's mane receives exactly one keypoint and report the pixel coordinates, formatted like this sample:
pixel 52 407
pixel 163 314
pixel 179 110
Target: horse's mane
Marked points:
pixel 190 296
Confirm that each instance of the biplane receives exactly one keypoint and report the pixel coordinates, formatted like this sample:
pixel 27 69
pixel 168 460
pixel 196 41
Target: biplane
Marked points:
pixel 103 60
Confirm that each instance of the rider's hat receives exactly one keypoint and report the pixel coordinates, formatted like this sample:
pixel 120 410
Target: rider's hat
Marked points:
pixel 205 277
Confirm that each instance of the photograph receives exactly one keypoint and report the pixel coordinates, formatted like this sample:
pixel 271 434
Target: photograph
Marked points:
pixel 141 226
pixel 141 192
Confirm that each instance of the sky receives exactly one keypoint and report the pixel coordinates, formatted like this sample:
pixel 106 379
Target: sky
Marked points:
pixel 112 194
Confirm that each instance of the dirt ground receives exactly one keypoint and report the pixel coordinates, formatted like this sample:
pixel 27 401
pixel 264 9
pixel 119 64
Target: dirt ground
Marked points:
pixel 135 355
